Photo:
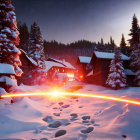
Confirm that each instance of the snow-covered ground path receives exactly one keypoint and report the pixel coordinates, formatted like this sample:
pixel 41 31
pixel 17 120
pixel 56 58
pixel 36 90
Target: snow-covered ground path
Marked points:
pixel 73 118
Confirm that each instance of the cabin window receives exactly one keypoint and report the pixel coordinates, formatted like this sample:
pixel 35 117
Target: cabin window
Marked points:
pixel 81 76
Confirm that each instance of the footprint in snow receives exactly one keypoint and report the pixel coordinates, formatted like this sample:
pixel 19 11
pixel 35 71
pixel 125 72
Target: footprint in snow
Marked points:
pixel 55 124
pixel 43 139
pixel 80 106
pixel 73 116
pixel 86 122
pixel 60 133
pixel 65 106
pixel 88 130
pixel 56 114
pixel 66 124
pixel 48 119
pixel 86 117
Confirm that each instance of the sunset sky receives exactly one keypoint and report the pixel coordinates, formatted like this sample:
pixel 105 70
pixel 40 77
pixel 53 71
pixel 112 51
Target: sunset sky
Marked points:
pixel 70 20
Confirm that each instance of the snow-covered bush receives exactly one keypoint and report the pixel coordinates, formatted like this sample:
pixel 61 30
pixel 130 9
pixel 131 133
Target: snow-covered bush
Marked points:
pixel 8 81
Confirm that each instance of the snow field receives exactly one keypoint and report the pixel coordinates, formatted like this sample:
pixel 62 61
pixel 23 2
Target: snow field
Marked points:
pixel 71 118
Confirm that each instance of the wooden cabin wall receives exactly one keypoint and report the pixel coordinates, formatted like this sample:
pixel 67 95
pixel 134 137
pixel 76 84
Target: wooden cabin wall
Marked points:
pixel 105 63
pixel 97 77
pixel 26 67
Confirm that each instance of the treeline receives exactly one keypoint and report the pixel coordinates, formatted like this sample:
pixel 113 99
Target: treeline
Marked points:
pixel 70 51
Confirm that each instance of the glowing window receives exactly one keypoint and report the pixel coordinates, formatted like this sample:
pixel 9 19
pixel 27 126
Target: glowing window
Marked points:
pixel 81 76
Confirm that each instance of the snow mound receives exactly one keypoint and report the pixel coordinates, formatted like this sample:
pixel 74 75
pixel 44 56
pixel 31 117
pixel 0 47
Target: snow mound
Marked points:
pixel 2 91
pixel 18 117
pixel 9 125
pixel 27 108
pixel 131 121
pixel 6 69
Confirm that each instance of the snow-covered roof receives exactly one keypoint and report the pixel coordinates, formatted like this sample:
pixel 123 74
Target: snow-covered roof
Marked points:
pixel 129 72
pixel 50 64
pixel 84 59
pixel 108 55
pixel 29 58
pixel 64 63
pixel 68 65
pixel 53 59
pixel 6 69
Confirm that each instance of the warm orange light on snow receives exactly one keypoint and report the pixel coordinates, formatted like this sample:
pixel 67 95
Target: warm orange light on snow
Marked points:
pixel 60 94
pixel 56 93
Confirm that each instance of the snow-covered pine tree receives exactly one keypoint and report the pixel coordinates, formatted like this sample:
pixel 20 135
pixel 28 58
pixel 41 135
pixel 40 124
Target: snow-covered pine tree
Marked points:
pixel 9 36
pixel 116 78
pixel 36 52
pixel 134 58
pixel 136 63
pixel 112 44
pixel 134 33
pixel 134 44
pixel 24 37
pixel 124 48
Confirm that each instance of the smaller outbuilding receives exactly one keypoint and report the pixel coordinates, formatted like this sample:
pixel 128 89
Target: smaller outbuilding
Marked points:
pixel 100 62
pixel 84 66
pixel 7 76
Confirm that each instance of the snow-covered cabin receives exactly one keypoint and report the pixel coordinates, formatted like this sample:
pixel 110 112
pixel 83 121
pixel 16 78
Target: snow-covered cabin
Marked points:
pixel 53 65
pixel 84 66
pixel 6 73
pixel 28 64
pixel 101 62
